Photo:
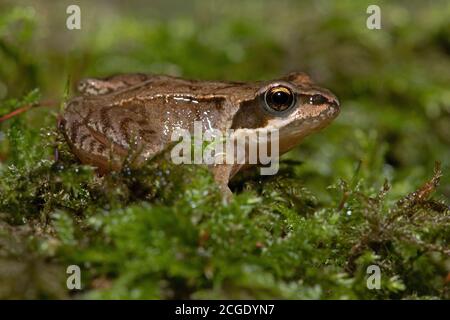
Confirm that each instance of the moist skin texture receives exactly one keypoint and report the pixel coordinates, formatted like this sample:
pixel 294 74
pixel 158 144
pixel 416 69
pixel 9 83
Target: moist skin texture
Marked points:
pixel 137 113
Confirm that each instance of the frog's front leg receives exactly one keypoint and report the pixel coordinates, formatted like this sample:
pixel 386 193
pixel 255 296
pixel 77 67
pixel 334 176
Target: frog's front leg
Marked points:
pixel 221 173
pixel 94 87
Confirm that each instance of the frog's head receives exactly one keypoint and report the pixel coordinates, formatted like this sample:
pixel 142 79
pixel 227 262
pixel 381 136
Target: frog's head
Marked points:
pixel 293 104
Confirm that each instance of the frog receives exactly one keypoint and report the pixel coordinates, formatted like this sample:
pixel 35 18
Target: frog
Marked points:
pixel 112 116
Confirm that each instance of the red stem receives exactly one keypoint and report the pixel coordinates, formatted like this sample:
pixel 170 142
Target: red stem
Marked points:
pixel 23 109
pixel 15 112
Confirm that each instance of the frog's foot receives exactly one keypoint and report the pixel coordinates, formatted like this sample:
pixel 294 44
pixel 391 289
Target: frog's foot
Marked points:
pixel 94 87
pixel 227 195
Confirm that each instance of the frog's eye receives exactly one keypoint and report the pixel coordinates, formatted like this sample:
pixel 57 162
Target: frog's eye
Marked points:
pixel 279 98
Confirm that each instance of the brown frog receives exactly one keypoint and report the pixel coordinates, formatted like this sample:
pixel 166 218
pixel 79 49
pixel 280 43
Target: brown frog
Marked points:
pixel 139 111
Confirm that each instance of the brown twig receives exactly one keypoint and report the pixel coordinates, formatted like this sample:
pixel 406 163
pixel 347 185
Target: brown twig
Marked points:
pixel 25 108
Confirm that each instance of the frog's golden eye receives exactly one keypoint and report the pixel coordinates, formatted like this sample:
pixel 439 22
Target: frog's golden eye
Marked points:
pixel 279 98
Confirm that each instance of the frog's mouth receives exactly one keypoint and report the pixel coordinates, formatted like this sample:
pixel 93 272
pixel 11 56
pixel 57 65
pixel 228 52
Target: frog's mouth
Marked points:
pixel 293 132
pixel 306 119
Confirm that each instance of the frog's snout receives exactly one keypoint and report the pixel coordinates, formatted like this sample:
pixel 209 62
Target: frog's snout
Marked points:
pixel 331 97
pixel 335 107
pixel 333 102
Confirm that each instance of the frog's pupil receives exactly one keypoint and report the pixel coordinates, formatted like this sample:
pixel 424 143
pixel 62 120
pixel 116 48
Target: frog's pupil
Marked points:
pixel 280 99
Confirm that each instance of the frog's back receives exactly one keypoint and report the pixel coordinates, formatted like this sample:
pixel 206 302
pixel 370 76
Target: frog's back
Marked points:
pixel 138 113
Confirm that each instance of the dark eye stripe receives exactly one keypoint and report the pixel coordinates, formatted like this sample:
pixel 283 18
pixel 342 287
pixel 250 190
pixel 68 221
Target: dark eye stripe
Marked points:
pixel 317 99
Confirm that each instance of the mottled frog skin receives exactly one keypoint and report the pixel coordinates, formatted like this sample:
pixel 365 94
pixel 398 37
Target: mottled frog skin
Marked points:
pixel 111 116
